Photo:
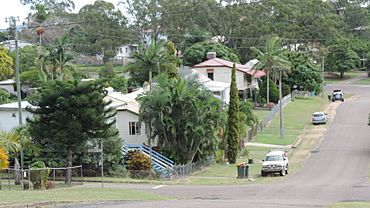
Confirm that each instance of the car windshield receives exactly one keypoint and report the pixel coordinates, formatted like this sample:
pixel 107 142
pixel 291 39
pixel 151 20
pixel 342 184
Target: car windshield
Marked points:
pixel 317 115
pixel 274 158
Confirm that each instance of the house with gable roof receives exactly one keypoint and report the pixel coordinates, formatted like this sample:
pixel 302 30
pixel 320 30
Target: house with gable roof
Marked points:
pixel 219 70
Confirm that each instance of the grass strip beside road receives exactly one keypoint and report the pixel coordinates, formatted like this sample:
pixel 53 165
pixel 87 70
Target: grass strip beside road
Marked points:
pixel 365 81
pixel 76 194
pixel 295 116
pixel 349 205
pixel 221 174
pixel 334 78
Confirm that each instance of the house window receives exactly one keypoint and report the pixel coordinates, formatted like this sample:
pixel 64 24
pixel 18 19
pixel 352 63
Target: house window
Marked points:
pixel 247 78
pixel 210 73
pixel 126 50
pixel 134 128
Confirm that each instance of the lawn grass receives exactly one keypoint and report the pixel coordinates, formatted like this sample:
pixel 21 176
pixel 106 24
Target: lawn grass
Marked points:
pixel 349 205
pixel 336 79
pixel 365 81
pixel 96 69
pixel 295 116
pixel 75 194
pixel 221 174
pixel 261 114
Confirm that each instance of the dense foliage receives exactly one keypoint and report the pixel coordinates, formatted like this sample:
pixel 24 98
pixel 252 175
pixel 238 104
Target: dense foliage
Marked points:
pixel 197 53
pixel 303 73
pixel 73 113
pixel 6 64
pixel 233 132
pixel 183 116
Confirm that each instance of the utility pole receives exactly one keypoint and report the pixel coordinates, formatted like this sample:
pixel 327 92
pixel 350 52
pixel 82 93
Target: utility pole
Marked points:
pixel 281 103
pixel 323 75
pixel 12 24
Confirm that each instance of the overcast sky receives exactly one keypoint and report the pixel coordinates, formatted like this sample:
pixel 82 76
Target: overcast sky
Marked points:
pixel 15 8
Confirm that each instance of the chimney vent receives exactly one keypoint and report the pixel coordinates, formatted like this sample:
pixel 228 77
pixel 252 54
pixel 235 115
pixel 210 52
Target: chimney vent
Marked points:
pixel 211 55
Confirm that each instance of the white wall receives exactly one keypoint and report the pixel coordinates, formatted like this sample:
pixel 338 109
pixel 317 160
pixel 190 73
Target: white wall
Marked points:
pixel 8 121
pixel 223 74
pixel 8 88
pixel 122 123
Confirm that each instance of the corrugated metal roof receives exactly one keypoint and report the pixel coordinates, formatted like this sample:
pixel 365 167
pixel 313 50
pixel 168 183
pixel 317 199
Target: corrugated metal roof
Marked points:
pixel 217 62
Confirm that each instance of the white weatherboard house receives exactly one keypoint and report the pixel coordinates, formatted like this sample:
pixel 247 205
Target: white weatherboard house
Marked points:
pixel 8 85
pixel 127 118
pixel 220 70
pixel 9 115
pixel 221 90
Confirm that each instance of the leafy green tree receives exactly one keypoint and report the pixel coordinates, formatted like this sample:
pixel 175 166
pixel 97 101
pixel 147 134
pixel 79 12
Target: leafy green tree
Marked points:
pixel 247 117
pixel 233 120
pixel 272 57
pixel 273 91
pixel 4 96
pixel 303 73
pixel 31 78
pixel 341 59
pixel 73 113
pixel 197 53
pixel 107 71
pixel 104 35
pixel 153 59
pixel 55 6
pixel 119 83
pixel 28 58
pixel 183 116
pixel 6 64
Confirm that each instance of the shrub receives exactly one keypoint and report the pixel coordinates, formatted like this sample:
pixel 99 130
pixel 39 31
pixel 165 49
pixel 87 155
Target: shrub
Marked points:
pixel 138 164
pixel 39 178
pixel 220 156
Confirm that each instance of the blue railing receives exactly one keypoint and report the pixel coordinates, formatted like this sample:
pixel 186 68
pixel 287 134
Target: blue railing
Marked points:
pixel 160 162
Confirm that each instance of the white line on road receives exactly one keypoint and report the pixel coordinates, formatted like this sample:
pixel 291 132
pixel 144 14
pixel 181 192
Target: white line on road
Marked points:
pixel 157 187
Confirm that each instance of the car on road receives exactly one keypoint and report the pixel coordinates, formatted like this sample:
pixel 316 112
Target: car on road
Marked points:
pixel 319 118
pixel 276 161
pixel 337 95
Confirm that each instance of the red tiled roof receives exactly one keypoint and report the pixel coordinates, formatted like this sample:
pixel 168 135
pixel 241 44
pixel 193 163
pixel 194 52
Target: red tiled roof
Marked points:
pixel 217 62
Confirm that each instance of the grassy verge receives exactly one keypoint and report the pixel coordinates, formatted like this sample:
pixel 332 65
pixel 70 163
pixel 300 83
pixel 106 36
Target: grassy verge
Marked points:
pixel 295 116
pixel 334 78
pixel 349 204
pixel 76 194
pixel 260 113
pixel 365 81
pixel 220 174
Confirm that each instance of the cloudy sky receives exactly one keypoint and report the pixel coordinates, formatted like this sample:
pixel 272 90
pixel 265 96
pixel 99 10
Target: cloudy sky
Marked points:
pixel 15 8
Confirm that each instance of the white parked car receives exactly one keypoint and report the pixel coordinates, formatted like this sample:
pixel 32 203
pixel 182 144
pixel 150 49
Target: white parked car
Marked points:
pixel 319 118
pixel 275 162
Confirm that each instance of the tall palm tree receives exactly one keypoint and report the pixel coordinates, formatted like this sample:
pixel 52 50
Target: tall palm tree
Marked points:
pixel 272 58
pixel 153 59
pixel 57 56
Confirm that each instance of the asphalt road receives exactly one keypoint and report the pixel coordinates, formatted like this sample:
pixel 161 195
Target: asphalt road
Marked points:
pixel 337 171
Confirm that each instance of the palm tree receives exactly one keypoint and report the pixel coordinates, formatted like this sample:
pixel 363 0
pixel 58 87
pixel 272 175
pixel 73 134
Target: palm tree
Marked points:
pixel 183 116
pixel 57 57
pixel 10 142
pixel 272 57
pixel 153 59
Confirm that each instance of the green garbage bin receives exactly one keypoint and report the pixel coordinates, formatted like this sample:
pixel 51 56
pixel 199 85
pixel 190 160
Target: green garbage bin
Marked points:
pixel 243 170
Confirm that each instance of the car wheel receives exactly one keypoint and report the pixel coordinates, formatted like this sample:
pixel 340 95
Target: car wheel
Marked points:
pixel 263 173
pixel 342 100
pixel 286 171
pixel 282 172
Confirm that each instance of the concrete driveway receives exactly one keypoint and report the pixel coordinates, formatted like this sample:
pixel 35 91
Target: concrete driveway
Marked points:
pixel 336 171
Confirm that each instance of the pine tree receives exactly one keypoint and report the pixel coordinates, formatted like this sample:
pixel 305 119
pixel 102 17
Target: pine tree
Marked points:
pixel 233 120
pixel 67 115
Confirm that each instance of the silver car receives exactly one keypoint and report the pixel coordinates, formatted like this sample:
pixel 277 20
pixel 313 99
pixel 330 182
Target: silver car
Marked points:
pixel 319 118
